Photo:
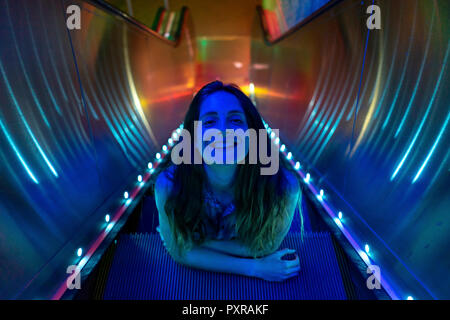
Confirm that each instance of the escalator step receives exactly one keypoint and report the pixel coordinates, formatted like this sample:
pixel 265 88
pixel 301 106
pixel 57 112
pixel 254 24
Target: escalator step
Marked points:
pixel 142 269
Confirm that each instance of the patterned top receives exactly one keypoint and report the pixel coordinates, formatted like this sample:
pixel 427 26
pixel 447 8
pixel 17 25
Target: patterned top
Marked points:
pixel 221 220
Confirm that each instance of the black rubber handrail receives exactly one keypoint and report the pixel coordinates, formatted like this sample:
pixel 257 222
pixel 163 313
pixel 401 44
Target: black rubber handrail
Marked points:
pixel 113 10
pixel 293 29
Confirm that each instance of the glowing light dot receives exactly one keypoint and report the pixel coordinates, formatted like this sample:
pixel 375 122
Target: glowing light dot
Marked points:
pixel 364 256
pixel 178 130
pixel 170 141
pixel 272 135
pixel 410 298
pixel 139 178
pixel 164 147
pixel 110 226
pixel 174 135
pixel 282 148
pixel 338 222
pixel 277 140
pixel 367 248
pixel 307 178
pixel 158 156
pixel 340 215
pixel 107 217
pixel 79 252
pixel 320 196
pixel 289 155
pixel 297 165
pixel 150 165
pixel 125 195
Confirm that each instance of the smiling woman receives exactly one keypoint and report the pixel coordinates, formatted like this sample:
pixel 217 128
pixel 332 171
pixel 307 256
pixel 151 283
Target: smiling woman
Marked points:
pixel 227 217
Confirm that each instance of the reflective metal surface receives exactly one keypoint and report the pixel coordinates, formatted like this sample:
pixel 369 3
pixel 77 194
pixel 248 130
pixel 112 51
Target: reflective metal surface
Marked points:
pixel 367 112
pixel 82 113
pixel 285 16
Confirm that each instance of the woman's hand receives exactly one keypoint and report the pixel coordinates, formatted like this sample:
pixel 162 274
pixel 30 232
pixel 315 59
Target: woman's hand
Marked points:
pixel 272 268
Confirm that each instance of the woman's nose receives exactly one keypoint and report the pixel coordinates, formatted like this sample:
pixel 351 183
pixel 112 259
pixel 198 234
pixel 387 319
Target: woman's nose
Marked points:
pixel 222 127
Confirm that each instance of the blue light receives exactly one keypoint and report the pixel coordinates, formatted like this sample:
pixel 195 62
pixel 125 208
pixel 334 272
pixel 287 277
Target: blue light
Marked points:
pixel 430 153
pixel 340 215
pixel 338 222
pixel 419 78
pixel 282 148
pixel 79 252
pixel 139 178
pixel 150 165
pixel 158 156
pixel 409 298
pixel 307 178
pixel 364 256
pixel 367 248
pixel 320 195
pixel 424 117
pixel 164 147
pixel 277 140
pixel 402 78
pixel 289 156
pixel 297 165
pixel 170 141
pixel 12 144
pixel 107 217
pixel 125 195
pixel 25 123
pixel 272 135
pixel 109 227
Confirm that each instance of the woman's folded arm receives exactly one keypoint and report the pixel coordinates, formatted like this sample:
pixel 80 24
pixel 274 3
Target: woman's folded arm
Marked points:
pixel 211 260
pixel 197 257
pixel 233 247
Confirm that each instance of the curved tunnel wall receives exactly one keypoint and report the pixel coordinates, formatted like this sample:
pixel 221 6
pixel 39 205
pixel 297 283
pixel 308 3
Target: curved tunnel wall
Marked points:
pixel 82 113
pixel 366 113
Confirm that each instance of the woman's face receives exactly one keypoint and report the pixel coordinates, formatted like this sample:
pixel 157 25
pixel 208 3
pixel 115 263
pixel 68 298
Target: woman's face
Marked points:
pixel 221 111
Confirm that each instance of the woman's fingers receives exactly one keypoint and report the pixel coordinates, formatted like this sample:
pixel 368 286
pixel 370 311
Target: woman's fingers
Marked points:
pixel 281 253
pixel 292 263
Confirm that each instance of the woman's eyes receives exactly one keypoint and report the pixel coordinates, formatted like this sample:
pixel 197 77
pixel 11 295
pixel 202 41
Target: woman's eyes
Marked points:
pixel 211 122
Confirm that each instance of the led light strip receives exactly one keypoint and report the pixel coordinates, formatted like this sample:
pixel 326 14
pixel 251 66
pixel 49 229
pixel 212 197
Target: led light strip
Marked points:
pixel 109 223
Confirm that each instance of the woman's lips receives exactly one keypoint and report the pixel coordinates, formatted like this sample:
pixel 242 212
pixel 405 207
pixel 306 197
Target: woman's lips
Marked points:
pixel 221 145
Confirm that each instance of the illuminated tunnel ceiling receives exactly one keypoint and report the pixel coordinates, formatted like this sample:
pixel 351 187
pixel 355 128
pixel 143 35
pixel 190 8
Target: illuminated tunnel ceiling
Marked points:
pixel 223 31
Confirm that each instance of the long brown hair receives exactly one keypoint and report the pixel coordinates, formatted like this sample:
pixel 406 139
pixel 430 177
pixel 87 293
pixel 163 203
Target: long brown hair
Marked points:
pixel 260 200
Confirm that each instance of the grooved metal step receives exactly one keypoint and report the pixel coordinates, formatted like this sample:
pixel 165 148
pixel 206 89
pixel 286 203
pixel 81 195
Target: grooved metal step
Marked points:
pixel 142 269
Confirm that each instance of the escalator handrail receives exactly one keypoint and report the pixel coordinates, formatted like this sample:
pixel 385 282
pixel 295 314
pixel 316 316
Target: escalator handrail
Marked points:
pixel 293 29
pixel 113 10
